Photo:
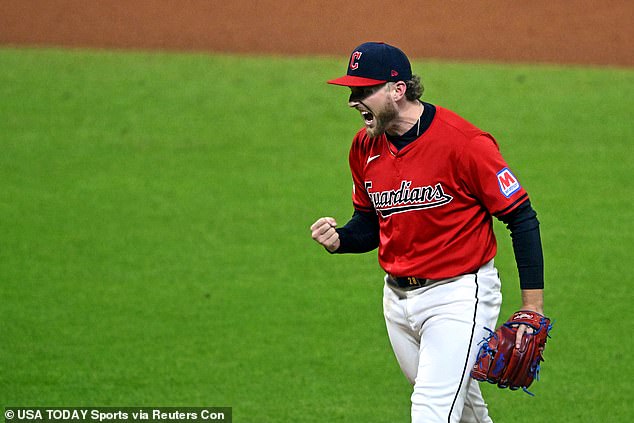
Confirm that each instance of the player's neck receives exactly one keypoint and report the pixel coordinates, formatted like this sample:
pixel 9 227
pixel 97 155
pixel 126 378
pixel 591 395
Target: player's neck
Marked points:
pixel 409 115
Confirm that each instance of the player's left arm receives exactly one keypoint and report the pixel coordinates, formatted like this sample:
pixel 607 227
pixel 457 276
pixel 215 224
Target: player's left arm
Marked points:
pixel 487 175
pixel 532 300
pixel 527 247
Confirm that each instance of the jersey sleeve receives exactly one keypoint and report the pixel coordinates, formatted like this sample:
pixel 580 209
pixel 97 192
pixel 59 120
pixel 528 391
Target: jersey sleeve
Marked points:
pixel 486 175
pixel 360 199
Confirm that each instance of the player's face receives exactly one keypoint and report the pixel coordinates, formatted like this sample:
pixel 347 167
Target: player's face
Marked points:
pixel 362 93
pixel 375 106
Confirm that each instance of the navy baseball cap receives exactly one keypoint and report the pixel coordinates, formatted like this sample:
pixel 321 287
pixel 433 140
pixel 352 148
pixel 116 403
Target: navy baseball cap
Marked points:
pixel 374 64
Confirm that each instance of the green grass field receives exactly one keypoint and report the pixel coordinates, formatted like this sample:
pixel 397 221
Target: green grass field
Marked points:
pixel 155 251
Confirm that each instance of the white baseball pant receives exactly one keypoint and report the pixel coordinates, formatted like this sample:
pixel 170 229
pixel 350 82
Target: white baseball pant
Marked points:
pixel 434 332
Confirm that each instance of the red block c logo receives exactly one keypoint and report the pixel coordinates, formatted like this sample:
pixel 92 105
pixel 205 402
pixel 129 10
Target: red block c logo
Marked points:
pixel 354 60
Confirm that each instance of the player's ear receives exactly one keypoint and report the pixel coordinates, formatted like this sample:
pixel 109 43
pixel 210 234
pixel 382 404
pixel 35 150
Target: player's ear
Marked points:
pixel 398 90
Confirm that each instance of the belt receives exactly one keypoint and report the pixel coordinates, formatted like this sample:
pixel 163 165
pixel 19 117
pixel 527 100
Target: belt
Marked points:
pixel 409 282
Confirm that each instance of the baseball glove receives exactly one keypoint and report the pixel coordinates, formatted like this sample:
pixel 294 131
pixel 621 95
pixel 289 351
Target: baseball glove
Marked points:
pixel 499 362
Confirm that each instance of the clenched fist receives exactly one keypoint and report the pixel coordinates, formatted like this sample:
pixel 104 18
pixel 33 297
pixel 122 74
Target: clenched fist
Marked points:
pixel 323 232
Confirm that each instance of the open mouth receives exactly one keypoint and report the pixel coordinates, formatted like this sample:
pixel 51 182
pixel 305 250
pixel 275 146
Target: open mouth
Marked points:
pixel 367 117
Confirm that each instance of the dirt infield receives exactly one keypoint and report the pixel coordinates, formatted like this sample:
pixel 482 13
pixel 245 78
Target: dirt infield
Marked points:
pixel 555 31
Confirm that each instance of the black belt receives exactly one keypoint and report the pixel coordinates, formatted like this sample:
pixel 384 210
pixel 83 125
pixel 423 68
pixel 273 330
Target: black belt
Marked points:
pixel 409 282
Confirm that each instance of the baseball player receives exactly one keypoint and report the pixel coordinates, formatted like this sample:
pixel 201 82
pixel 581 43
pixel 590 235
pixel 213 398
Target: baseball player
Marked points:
pixel 426 184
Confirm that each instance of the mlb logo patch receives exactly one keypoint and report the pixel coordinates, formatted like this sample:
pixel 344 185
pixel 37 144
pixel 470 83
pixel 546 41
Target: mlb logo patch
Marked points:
pixel 508 182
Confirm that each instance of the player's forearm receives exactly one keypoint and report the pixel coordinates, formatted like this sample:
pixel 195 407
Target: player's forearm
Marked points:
pixel 360 234
pixel 533 299
pixel 527 245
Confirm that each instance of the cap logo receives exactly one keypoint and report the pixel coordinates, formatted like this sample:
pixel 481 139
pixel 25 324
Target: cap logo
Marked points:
pixel 354 60
pixel 393 73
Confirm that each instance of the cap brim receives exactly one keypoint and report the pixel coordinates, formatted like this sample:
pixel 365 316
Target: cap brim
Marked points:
pixel 355 81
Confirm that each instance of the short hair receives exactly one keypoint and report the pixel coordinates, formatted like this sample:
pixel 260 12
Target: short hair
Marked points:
pixel 414 88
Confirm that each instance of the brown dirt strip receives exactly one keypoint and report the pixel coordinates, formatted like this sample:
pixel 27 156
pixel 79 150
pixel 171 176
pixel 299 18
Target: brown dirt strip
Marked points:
pixel 551 31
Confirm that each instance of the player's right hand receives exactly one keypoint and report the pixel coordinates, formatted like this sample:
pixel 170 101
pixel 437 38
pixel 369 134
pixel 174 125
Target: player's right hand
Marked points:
pixel 323 232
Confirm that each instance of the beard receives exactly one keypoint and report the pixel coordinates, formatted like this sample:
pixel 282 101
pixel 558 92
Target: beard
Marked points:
pixel 382 120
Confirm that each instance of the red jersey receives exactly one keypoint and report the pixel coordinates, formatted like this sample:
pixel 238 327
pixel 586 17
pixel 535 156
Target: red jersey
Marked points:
pixel 434 198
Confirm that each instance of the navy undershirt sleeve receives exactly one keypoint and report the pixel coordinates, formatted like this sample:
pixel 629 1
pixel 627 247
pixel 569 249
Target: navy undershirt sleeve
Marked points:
pixel 360 234
pixel 527 245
